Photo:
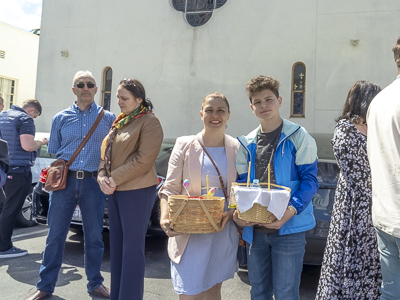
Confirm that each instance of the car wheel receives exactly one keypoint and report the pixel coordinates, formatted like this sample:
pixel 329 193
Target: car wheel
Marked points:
pixel 24 219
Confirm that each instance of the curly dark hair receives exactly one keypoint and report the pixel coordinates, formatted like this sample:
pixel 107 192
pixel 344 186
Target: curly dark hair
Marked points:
pixel 261 82
pixel 358 100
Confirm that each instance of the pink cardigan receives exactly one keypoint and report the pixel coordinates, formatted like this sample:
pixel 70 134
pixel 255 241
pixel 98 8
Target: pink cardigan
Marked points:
pixel 186 163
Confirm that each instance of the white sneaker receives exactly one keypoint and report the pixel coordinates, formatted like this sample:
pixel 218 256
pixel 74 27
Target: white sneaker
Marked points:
pixel 13 252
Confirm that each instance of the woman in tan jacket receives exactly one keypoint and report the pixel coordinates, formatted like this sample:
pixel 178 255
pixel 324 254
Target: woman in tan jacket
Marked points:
pixel 201 262
pixel 128 175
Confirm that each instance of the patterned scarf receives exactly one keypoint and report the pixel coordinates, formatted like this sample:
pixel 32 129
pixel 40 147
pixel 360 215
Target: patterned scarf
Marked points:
pixel 119 123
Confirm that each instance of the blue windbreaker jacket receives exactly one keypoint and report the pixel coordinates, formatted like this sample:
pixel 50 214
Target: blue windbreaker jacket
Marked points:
pixel 295 166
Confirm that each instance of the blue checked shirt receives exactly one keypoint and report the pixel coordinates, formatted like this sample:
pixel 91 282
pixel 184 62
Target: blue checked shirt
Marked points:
pixel 69 128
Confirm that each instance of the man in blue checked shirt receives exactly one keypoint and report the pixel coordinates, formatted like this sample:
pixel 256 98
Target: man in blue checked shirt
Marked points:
pixel 69 127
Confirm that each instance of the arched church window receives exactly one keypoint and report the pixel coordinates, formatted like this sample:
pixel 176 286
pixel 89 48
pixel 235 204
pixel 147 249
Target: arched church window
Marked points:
pixel 298 90
pixel 106 88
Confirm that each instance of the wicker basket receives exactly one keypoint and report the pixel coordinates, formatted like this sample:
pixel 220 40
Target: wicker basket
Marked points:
pixel 195 214
pixel 257 213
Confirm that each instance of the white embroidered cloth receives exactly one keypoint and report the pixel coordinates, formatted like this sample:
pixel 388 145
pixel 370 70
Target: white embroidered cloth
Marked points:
pixel 276 200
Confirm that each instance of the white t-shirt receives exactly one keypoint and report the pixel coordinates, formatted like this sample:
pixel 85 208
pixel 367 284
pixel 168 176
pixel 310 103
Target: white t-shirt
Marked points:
pixel 383 142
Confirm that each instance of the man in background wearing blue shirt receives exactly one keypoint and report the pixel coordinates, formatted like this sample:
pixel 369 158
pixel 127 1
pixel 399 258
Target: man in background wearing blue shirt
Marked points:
pixel 18 129
pixel 69 127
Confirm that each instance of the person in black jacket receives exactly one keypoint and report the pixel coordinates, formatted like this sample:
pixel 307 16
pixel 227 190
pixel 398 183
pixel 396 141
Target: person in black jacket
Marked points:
pixel 18 129
pixel 3 167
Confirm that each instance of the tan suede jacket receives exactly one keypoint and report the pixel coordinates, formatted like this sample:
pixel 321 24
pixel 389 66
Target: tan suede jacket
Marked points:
pixel 134 152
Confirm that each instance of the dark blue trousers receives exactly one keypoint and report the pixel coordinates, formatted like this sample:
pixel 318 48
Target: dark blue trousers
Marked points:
pixel 129 213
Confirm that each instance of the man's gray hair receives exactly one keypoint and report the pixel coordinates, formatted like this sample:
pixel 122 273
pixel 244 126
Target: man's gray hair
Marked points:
pixel 82 74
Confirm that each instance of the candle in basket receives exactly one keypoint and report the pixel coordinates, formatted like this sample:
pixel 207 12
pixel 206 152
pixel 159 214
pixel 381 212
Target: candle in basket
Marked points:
pixel 248 175
pixel 269 169
pixel 207 186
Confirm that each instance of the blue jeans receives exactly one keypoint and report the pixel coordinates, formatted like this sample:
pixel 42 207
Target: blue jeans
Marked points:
pixel 91 201
pixel 389 250
pixel 275 263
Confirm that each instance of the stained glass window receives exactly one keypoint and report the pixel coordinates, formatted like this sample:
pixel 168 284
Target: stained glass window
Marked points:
pixel 106 90
pixel 298 90
pixel 197 12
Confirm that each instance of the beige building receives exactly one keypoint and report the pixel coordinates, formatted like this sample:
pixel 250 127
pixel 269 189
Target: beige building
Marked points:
pixel 181 50
pixel 18 64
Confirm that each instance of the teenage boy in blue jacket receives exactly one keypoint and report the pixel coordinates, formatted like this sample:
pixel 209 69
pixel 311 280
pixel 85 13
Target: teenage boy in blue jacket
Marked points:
pixel 275 251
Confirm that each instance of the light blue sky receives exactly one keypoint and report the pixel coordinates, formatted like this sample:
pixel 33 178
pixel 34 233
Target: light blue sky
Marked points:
pixel 23 14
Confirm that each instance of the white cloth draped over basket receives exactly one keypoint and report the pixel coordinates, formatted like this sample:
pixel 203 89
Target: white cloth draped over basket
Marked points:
pixel 275 200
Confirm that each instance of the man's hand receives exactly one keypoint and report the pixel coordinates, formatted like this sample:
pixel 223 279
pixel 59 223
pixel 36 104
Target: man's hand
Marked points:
pixel 277 224
pixel 29 144
pixel 44 141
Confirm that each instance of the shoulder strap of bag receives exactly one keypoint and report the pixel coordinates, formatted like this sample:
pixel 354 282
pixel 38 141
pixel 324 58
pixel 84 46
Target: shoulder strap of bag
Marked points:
pixel 87 137
pixel 222 184
pixel 216 168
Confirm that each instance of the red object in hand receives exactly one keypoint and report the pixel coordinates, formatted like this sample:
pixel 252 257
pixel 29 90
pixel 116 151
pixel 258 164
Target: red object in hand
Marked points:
pixel 43 175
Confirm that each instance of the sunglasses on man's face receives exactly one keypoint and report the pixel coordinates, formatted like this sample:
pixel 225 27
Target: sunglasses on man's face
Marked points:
pixel 81 85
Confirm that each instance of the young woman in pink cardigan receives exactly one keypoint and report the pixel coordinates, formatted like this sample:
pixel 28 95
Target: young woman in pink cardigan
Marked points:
pixel 201 262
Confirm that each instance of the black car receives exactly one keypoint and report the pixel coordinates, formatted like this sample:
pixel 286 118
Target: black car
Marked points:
pixel 40 197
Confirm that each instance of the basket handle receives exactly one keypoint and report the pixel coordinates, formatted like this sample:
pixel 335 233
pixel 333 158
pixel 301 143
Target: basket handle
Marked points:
pixel 216 168
pixel 208 215
pixel 183 204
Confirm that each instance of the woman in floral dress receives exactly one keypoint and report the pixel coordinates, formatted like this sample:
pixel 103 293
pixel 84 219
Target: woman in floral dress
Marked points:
pixel 351 268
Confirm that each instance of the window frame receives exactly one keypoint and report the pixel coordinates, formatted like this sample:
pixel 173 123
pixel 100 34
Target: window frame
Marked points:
pixel 105 92
pixel 8 96
pixel 298 91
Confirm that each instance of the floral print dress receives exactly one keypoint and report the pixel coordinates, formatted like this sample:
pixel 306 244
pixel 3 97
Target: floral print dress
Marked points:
pixel 351 268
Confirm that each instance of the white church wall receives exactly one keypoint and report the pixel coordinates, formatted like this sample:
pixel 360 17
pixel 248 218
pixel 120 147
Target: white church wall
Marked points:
pixel 179 64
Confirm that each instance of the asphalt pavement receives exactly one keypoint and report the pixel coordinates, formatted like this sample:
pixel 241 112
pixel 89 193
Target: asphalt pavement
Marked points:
pixel 18 276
